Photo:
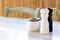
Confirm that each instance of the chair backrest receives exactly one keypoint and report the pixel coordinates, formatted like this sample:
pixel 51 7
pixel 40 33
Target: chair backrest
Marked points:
pixel 35 12
pixel 56 14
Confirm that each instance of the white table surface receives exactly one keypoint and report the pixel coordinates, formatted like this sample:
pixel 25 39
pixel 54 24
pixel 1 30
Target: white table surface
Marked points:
pixel 16 29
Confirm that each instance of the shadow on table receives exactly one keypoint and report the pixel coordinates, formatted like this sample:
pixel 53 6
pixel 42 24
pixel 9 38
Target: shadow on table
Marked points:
pixel 38 36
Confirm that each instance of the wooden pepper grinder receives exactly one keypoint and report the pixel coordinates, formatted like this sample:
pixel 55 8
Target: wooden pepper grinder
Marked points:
pixel 50 19
pixel 44 29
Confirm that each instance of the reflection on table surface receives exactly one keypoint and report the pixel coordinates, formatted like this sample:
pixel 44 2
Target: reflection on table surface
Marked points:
pixel 16 29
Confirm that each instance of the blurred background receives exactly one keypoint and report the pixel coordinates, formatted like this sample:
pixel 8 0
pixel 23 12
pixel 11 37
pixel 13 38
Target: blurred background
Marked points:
pixel 31 4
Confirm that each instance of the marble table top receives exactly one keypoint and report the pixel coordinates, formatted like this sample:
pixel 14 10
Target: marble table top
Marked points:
pixel 16 29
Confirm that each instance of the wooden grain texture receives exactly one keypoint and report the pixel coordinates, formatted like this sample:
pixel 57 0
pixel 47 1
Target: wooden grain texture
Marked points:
pixel 58 4
pixel 26 3
pixel 1 8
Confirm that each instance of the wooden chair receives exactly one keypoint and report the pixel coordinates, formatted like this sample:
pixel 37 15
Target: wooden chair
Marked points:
pixel 35 12
pixel 56 14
